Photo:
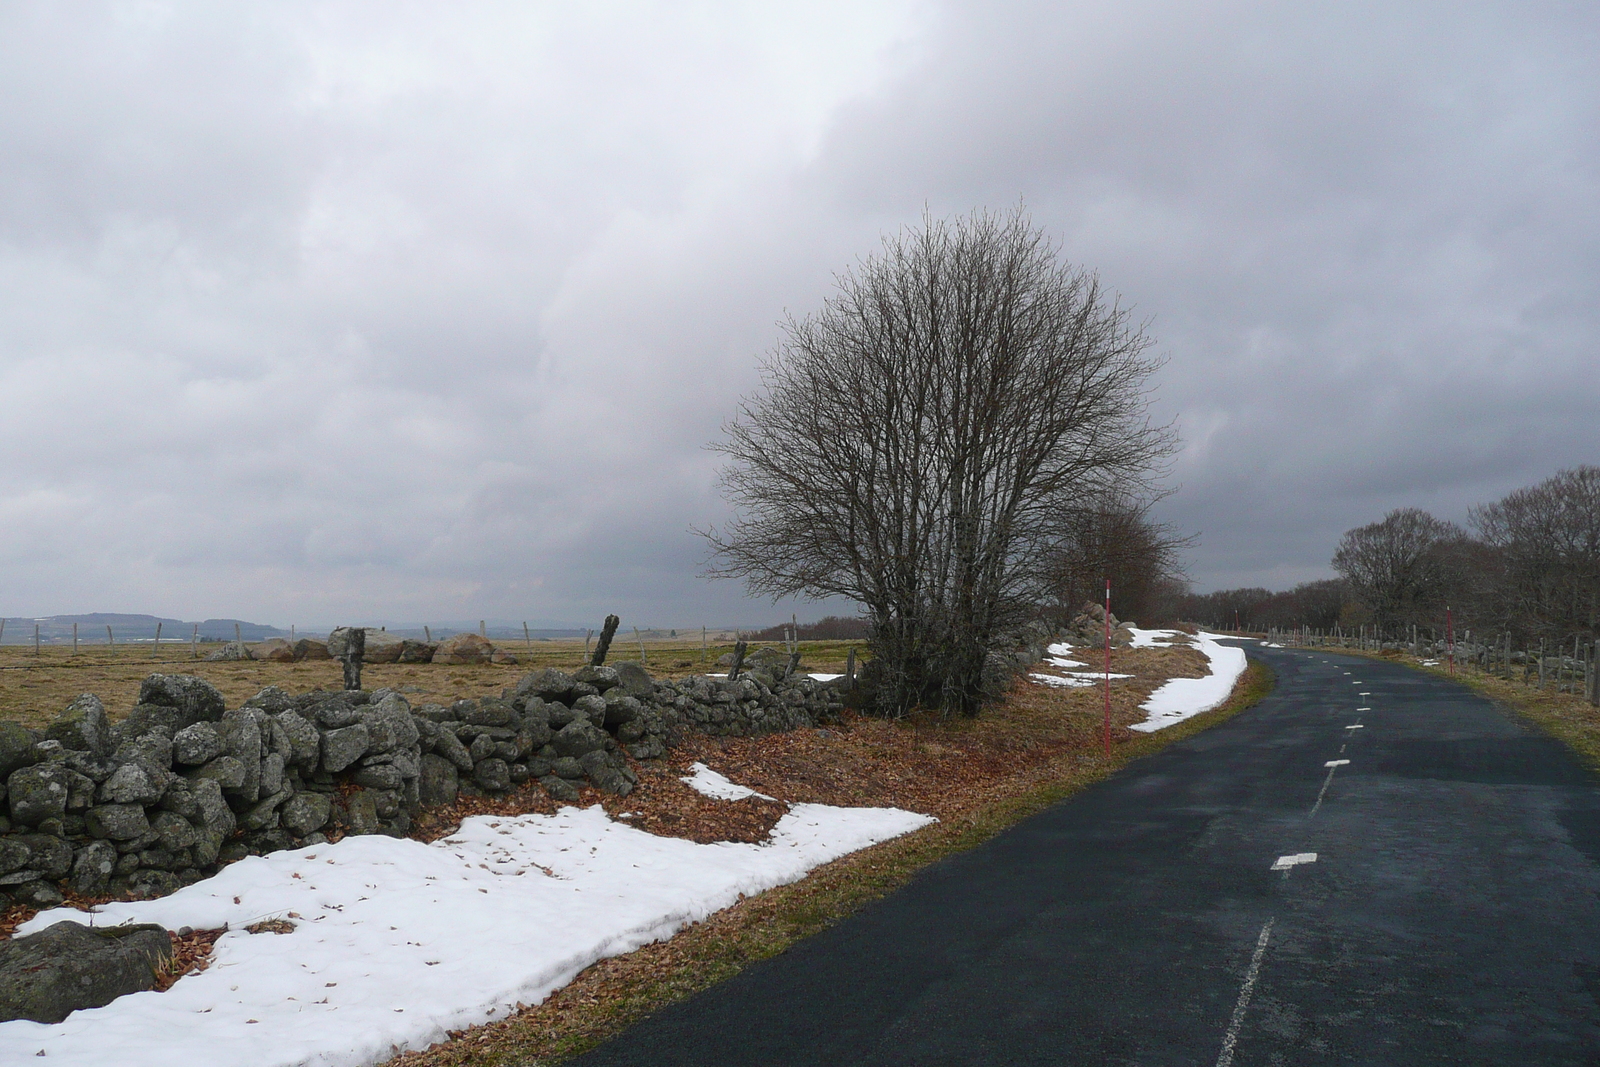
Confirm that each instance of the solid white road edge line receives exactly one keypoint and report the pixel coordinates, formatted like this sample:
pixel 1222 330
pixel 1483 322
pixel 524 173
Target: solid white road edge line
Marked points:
pixel 1231 1038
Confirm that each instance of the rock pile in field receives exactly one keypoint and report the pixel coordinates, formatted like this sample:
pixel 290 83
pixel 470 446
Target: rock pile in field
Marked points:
pixel 381 647
pixel 183 783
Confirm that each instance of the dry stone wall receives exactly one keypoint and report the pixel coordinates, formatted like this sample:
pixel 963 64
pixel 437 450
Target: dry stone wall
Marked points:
pixel 184 783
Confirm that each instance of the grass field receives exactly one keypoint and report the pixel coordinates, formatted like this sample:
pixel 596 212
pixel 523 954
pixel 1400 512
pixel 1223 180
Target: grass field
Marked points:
pixel 35 688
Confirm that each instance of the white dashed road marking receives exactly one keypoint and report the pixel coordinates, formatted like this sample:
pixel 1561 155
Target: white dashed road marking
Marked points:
pixel 1231 1038
pixel 1283 863
pixel 1336 763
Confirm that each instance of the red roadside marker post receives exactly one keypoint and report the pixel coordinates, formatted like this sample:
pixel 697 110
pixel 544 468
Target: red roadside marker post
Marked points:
pixel 1108 668
pixel 1450 638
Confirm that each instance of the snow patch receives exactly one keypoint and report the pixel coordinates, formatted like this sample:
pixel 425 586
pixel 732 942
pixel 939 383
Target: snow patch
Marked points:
pixel 396 941
pixel 707 782
pixel 1184 698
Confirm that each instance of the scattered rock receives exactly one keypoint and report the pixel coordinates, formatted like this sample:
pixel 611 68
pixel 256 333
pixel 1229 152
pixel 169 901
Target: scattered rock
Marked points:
pixel 304 813
pixel 274 650
pixel 463 648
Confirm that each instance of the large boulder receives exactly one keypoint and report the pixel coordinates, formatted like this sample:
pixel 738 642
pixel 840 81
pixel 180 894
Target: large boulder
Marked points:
pixel 231 652
pixel 413 651
pixel 463 648
pixel 309 648
pixel 195 699
pixel 382 647
pixel 65 967
pixel 274 650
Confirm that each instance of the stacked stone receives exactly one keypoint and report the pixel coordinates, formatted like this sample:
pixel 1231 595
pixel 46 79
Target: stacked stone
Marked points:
pixel 182 784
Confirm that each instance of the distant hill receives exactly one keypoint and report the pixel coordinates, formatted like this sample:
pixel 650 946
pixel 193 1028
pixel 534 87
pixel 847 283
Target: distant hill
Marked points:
pixel 130 629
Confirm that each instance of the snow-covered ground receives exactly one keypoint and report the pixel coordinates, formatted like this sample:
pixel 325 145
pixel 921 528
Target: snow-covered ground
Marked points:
pixel 1184 698
pixel 396 942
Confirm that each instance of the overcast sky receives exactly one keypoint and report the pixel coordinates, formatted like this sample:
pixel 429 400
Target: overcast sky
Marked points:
pixel 407 312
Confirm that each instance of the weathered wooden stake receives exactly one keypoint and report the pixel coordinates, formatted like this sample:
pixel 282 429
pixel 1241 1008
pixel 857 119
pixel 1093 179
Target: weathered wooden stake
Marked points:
pixel 238 638
pixel 427 634
pixel 527 638
pixel 705 653
pixel 739 648
pixel 483 631
pixel 35 639
pixel 603 645
pixel 194 641
pixel 640 638
pixel 111 640
pixel 850 669
pixel 74 639
pixel 158 636
pixel 588 636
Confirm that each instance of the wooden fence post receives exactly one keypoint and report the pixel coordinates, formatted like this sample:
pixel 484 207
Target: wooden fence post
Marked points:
pixel 639 638
pixel 112 641
pixel 527 638
pixel 194 641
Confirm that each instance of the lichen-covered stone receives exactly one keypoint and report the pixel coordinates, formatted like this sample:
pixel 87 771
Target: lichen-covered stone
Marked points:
pixel 578 737
pixel 118 822
pixel 303 737
pixel 341 748
pixel 226 771
pixel 132 783
pixel 83 726
pixel 195 699
pixel 38 793
pixel 493 775
pixel 91 870
pixel 389 724
pixel 195 744
pixel 439 781
pixel 176 831
pixel 305 813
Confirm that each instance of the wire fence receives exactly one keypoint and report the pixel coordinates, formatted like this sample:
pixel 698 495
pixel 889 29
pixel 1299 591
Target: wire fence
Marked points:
pixel 1571 666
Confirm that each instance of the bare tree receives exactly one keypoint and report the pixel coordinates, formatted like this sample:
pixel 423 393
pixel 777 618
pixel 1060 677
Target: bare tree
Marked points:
pixel 1404 568
pixel 1545 542
pixel 923 441
pixel 1116 539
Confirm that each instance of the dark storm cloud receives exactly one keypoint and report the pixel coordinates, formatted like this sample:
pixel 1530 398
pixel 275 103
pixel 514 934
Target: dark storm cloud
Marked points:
pixel 306 314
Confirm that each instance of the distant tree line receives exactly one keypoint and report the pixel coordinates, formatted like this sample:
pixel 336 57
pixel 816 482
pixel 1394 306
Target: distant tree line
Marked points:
pixel 1527 565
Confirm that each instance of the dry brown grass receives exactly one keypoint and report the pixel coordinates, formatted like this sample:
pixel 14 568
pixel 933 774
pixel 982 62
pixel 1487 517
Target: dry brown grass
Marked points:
pixel 35 689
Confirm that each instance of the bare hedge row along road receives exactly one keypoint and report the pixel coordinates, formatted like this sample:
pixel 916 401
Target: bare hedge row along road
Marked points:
pixel 1372 866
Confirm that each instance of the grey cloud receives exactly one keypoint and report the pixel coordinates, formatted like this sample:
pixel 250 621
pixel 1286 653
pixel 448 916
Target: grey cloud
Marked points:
pixel 304 317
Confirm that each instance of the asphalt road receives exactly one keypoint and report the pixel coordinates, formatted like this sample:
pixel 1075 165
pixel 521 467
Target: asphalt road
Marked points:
pixel 1450 915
